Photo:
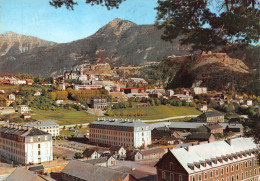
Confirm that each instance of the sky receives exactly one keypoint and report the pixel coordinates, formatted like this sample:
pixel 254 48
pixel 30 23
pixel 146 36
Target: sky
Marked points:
pixel 38 18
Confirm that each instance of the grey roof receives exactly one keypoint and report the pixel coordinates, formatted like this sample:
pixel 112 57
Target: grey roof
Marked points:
pixel 97 161
pixel 214 126
pixel 152 151
pixel 115 148
pixel 212 113
pixel 210 151
pixel 192 125
pixel 41 123
pixel 121 124
pixel 24 175
pixel 90 172
pixel 36 168
pixel 22 132
pixel 88 152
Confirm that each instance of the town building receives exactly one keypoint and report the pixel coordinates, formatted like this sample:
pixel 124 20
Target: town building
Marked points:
pixel 97 103
pixel 169 93
pixel 168 140
pixel 211 116
pixel 77 170
pixel 23 109
pixel 71 74
pixel 118 151
pixel 29 81
pixel 214 128
pixel 11 96
pixel 6 102
pixel 132 90
pixel 201 137
pixel 24 175
pixel 229 160
pixel 87 87
pixel 47 126
pixel 91 154
pixel 184 97
pixel 152 153
pixel 37 93
pixel 199 90
pixel 25 145
pixel 120 132
pixel 134 155
pixel 203 108
pixel 249 102
pixel 108 161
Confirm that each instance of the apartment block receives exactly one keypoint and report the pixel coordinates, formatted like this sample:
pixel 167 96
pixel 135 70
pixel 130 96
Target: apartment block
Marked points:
pixel 25 145
pixel 120 132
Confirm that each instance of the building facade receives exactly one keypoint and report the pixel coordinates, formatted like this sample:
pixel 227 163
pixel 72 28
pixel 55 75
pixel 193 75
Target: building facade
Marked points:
pixel 230 160
pixel 23 109
pixel 211 116
pixel 46 126
pixel 120 132
pixel 25 145
pixel 98 103
pixel 199 90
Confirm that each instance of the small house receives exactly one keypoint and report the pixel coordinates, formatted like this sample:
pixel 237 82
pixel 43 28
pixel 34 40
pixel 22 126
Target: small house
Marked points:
pixel 91 154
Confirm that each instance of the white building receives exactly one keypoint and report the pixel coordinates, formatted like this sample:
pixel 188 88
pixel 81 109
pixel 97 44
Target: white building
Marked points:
pixel 11 97
pixel 120 132
pixel 46 126
pixel 23 109
pixel 37 93
pixel 199 90
pixel 25 145
pixel 169 93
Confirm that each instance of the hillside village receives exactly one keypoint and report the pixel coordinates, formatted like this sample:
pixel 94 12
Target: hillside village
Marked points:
pixel 98 117
pixel 123 90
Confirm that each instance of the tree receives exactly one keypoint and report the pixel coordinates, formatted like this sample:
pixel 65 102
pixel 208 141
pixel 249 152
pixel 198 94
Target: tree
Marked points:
pixel 69 4
pixel 78 155
pixel 204 24
pixel 209 23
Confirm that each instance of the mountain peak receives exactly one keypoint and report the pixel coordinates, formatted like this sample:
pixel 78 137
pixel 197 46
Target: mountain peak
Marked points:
pixel 117 26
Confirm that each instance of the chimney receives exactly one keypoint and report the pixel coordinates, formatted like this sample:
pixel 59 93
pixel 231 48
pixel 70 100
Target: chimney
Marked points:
pixel 187 149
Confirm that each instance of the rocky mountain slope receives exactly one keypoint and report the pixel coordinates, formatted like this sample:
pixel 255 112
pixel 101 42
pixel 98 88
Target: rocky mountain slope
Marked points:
pixel 120 42
pixel 217 71
pixel 13 44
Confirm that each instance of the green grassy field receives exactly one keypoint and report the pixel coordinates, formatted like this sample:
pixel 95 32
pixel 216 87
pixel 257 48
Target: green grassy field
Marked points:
pixel 162 111
pixel 63 117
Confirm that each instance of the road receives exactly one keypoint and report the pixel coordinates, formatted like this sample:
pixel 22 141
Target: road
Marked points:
pixel 170 118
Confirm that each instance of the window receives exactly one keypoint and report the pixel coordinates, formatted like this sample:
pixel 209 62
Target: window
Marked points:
pixel 232 168
pixel 171 177
pixel 200 177
pixel 163 174
pixel 180 177
pixel 237 177
pixel 237 167
pixel 39 152
pixel 211 174
pixel 246 165
pixel 222 171
pixel 205 176
pixel 232 178
pixel 242 176
pixel 250 163
pixel 171 165
pixel 39 145
pixel 216 172
pixel 227 169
